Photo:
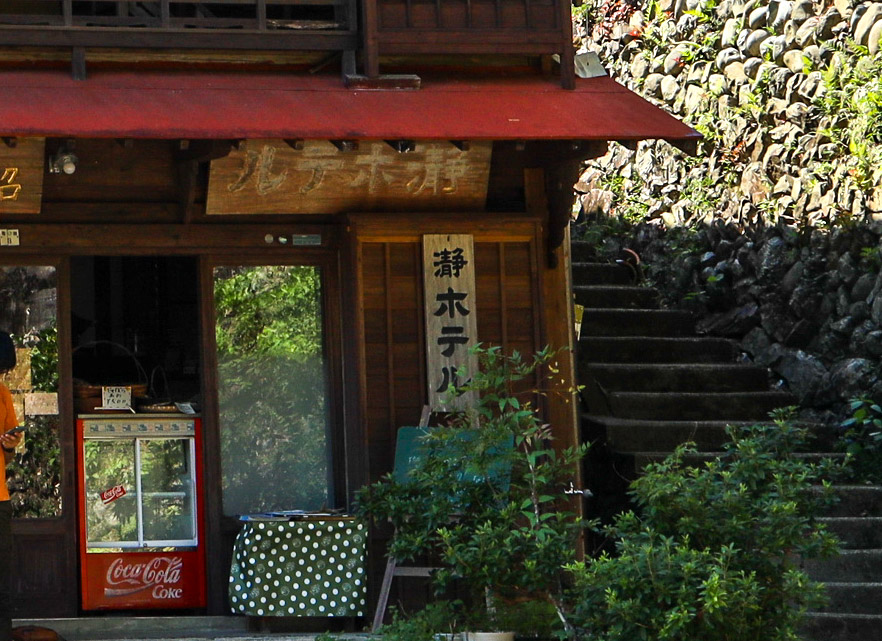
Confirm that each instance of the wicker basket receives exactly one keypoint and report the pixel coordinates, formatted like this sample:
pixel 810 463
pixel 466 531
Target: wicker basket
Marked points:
pixel 88 396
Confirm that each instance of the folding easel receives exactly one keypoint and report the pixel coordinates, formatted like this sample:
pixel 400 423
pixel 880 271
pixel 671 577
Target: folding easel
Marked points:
pixel 392 568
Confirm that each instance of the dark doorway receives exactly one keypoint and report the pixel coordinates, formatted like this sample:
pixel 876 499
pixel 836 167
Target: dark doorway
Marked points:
pixel 135 320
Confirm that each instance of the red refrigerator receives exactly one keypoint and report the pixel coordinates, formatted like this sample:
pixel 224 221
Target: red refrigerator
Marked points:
pixel 140 513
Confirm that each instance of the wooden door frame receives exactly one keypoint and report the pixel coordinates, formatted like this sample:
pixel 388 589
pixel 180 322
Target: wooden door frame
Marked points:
pixel 242 243
pixel 219 527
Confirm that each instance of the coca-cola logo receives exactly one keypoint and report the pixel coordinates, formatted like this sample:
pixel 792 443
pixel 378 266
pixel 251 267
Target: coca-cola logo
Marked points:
pixel 109 496
pixel 160 574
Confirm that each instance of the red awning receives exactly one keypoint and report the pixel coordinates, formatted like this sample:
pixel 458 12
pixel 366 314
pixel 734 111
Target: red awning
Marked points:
pixel 229 105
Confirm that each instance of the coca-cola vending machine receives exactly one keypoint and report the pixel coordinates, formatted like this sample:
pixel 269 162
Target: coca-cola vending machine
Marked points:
pixel 140 514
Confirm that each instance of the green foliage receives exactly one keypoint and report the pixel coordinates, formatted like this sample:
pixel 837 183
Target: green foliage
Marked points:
pixel 35 474
pixel 270 310
pixel 441 617
pixel 862 439
pixel 713 552
pixel 852 101
pixel 43 345
pixel 871 259
pixel 487 493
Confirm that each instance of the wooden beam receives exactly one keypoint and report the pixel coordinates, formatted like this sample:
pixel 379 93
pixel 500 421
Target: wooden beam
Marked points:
pixel 205 150
pixel 78 63
pixel 171 239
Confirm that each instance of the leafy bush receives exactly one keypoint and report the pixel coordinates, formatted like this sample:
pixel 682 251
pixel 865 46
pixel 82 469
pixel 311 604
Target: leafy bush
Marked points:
pixel 713 551
pixel 486 494
pixel 862 439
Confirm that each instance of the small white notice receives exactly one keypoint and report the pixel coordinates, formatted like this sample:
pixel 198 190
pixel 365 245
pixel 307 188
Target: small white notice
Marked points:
pixel 116 398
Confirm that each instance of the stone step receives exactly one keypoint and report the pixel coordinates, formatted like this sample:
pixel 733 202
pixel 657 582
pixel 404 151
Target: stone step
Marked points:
pixel 850 565
pixel 143 627
pixel 655 349
pixel 602 273
pixel 583 252
pixel 677 377
pixel 117 627
pixel 697 406
pixel 856 500
pixel 616 296
pixel 632 435
pixel 842 627
pixel 856 532
pixel 852 598
pixel 637 322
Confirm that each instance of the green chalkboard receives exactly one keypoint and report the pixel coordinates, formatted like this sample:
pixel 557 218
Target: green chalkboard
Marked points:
pixel 408 451
pixel 410 448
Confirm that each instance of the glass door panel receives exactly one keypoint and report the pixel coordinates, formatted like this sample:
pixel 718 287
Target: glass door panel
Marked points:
pixel 28 299
pixel 168 490
pixel 111 517
pixel 140 492
pixel 272 389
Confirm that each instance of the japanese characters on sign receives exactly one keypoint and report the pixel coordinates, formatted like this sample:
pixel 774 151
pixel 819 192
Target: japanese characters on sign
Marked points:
pixel 21 177
pixel 271 177
pixel 451 316
pixel 116 398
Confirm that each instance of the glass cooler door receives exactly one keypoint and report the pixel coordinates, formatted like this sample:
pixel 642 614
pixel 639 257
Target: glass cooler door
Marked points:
pixel 140 541
pixel 140 492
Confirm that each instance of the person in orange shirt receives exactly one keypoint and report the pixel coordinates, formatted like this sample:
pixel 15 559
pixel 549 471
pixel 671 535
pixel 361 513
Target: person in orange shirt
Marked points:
pixel 8 443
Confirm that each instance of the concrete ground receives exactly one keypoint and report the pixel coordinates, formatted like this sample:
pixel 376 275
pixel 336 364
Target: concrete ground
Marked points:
pixel 177 628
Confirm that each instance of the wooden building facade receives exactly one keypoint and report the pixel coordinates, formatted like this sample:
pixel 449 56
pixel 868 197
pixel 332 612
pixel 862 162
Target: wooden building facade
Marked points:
pixel 156 156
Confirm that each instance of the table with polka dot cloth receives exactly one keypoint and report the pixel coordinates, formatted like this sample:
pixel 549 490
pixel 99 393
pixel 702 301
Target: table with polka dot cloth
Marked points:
pixel 308 567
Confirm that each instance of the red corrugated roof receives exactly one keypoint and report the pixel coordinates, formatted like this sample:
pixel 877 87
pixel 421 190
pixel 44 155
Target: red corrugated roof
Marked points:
pixel 230 105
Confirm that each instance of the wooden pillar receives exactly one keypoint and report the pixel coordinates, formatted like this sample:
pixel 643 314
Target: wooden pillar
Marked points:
pixel 563 409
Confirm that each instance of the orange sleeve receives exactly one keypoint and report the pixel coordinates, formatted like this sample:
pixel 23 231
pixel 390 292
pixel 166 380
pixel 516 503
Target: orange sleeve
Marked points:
pixel 9 419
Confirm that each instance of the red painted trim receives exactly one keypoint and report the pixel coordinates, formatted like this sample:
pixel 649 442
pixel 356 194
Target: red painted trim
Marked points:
pixel 227 105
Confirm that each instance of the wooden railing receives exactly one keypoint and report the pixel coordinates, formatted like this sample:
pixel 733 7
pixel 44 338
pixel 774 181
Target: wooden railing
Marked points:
pixel 317 25
pixel 394 27
pixel 533 27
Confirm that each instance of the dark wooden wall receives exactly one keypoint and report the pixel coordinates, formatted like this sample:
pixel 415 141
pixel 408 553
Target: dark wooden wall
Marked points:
pixel 394 344
pixel 389 283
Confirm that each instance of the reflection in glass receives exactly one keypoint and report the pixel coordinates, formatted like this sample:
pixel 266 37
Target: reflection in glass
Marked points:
pixel 271 389
pixel 28 311
pixel 167 486
pixel 139 492
pixel 109 465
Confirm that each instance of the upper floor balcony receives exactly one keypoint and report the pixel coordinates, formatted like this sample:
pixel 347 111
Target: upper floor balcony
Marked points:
pixel 360 31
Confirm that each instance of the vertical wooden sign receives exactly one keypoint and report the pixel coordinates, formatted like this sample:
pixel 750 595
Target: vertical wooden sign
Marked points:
pixel 21 176
pixel 451 316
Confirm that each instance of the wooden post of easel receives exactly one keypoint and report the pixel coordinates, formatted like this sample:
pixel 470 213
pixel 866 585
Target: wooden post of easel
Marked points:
pixel 392 568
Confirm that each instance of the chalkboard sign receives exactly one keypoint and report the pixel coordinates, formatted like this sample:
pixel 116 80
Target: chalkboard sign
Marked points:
pixel 410 449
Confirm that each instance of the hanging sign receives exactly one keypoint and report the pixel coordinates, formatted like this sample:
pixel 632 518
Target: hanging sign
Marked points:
pixel 22 161
pixel 272 177
pixel 451 316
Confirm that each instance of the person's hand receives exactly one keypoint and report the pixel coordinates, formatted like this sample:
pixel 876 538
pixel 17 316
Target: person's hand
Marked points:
pixel 10 441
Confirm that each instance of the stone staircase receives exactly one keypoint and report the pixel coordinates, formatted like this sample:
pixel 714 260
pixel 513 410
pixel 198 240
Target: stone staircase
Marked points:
pixel 651 383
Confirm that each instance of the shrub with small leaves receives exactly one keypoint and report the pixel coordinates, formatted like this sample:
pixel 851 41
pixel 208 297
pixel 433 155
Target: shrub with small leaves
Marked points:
pixel 487 493
pixel 713 551
pixel 862 439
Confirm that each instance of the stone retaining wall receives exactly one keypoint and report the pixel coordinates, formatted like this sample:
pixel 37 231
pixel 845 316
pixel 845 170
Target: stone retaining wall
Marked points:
pixel 774 231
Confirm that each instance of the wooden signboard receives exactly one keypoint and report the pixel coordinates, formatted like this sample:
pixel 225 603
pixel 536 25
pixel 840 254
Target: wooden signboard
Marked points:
pixel 451 316
pixel 272 177
pixel 21 176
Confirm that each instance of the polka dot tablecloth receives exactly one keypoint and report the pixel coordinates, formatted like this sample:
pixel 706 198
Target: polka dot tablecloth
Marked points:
pixel 309 568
